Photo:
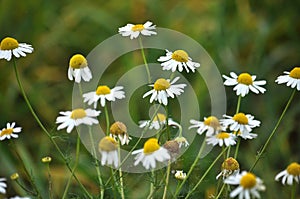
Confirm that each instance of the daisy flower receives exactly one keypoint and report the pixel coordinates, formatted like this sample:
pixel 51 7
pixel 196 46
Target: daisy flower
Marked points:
pixel 10 46
pixel 222 138
pixel 291 78
pixel 104 93
pixel 244 82
pixel 134 31
pixel 151 153
pixel 230 166
pixel 18 197
pixel 182 141
pixel 78 68
pixel 70 119
pixel 178 59
pixel 158 121
pixel 180 175
pixel 10 131
pixel 290 174
pixel 119 130
pixel 3 185
pixel 248 185
pixel 210 125
pixel 162 89
pixel 108 148
pixel 240 122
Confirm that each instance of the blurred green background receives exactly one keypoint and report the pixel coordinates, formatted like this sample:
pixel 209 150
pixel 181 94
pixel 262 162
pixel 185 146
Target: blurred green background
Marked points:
pixel 259 37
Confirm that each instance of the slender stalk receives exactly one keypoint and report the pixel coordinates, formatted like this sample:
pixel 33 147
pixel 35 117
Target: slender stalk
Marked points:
pixel 145 60
pixel 106 119
pixel 220 192
pixel 49 181
pixel 24 188
pixel 238 104
pixel 273 132
pixel 237 148
pixel 45 130
pixel 121 175
pixel 293 192
pixel 151 185
pixel 167 180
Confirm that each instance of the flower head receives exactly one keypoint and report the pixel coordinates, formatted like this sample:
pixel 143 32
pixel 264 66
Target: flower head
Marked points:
pixel 14 176
pixel 291 78
pixel 70 119
pixel 243 83
pixel 178 59
pixel 162 89
pixel 18 197
pixel 10 131
pixel 78 68
pixel 151 153
pixel 221 138
pixel 158 122
pixel 230 166
pixel 10 46
pixel 108 147
pixel 46 159
pixel 134 31
pixel 3 185
pixel 210 125
pixel 180 175
pixel 248 185
pixel 182 141
pixel 104 93
pixel 119 130
pixel 290 174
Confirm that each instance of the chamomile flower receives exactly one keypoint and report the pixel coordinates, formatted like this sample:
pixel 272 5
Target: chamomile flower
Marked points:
pixel 249 185
pixel 70 119
pixel 18 197
pixel 11 47
pixel 178 59
pixel 163 89
pixel 180 175
pixel 134 31
pixel 79 69
pixel 210 125
pixel 182 141
pixel 158 122
pixel 10 131
pixel 222 138
pixel 3 185
pixel 119 130
pixel 108 148
pixel 291 78
pixel 230 166
pixel 240 122
pixel 151 153
pixel 290 175
pixel 104 93
pixel 244 82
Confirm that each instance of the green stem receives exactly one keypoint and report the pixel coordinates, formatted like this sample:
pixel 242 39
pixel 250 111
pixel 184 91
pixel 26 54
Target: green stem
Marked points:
pixel 121 175
pixel 237 148
pixel 293 192
pixel 273 132
pixel 49 181
pixel 167 180
pixel 145 60
pixel 220 192
pixel 107 119
pixel 191 169
pixel 45 130
pixel 205 174
pixel 151 185
pixel 24 188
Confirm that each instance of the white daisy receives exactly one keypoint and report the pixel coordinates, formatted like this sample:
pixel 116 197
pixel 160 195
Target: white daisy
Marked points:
pixel 151 153
pixel 158 122
pixel 210 125
pixel 290 174
pixel 3 185
pixel 222 138
pixel 180 175
pixel 108 148
pixel 291 79
pixel 243 83
pixel 249 185
pixel 240 122
pixel 119 130
pixel 10 46
pixel 178 60
pixel 18 197
pixel 162 89
pixel 103 93
pixel 70 119
pixel 78 68
pixel 245 135
pixel 182 141
pixel 10 131
pixel 230 166
pixel 134 31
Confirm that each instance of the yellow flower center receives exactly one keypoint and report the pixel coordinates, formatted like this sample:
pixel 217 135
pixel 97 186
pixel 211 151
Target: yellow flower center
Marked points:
pixel 14 176
pixel 180 56
pixel 294 169
pixel 230 164
pixel 151 145
pixel 245 78
pixel 295 73
pixel 103 90
pixel 9 43
pixel 78 113
pixel 223 135
pixel 240 118
pixel 159 117
pixel 118 128
pixel 107 144
pixel 212 121
pixel 161 84
pixel 6 132
pixel 137 27
pixel 78 61
pixel 248 181
pixel 46 159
